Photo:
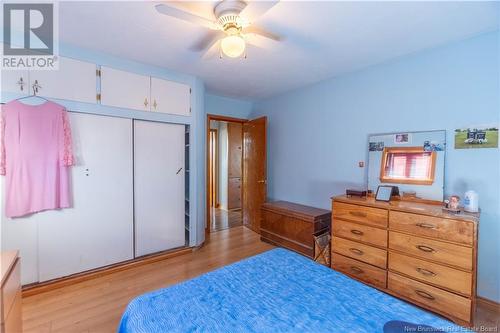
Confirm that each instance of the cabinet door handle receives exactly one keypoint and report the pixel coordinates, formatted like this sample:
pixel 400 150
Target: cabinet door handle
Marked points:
pixel 155 104
pixel 356 270
pixel 21 83
pixel 424 294
pixel 356 251
pixel 36 86
pixel 425 248
pixel 426 225
pixel 427 272
pixel 358 214
pixel 180 169
pixel 356 232
pixel 146 102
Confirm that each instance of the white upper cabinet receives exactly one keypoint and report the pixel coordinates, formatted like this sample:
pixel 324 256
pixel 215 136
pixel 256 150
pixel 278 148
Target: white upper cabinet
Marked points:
pixel 15 81
pixel 170 97
pixel 125 89
pixel 75 80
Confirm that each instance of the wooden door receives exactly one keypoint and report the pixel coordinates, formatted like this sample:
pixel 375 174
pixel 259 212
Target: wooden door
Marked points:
pixel 170 97
pixel 75 80
pixel 97 230
pixel 234 168
pixel 254 171
pixel 125 89
pixel 159 185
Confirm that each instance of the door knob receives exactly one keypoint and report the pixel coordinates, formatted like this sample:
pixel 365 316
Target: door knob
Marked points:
pixel 262 181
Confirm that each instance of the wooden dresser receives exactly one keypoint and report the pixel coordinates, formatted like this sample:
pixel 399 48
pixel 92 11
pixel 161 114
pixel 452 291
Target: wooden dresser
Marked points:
pixel 293 226
pixel 411 250
pixel 10 293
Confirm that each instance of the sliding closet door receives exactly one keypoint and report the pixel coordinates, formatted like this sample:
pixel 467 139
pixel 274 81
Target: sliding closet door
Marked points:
pixel 97 231
pixel 158 186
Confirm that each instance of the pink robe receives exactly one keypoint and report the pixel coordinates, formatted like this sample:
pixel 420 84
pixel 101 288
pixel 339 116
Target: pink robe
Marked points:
pixel 34 157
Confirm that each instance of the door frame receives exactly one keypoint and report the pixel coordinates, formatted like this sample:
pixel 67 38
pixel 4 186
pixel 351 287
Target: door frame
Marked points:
pixel 214 168
pixel 207 161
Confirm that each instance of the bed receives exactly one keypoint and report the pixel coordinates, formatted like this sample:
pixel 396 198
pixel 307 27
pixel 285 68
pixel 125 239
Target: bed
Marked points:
pixel 276 291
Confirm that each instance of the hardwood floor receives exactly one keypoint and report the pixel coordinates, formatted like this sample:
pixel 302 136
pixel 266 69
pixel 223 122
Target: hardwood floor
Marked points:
pixel 97 305
pixel 223 219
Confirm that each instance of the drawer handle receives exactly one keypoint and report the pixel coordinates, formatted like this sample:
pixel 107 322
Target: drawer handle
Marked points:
pixel 356 270
pixel 356 251
pixel 359 214
pixel 356 232
pixel 424 295
pixel 427 272
pixel 425 248
pixel 426 225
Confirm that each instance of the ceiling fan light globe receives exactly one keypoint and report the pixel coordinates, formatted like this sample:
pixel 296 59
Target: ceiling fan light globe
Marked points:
pixel 233 46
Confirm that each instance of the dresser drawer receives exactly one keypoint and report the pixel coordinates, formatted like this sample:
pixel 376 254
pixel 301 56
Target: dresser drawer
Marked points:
pixel 13 321
pixel 431 297
pixel 446 229
pixel 359 232
pixel 368 215
pixel 449 278
pixel 359 270
pixel 446 253
pixel 10 289
pixel 365 253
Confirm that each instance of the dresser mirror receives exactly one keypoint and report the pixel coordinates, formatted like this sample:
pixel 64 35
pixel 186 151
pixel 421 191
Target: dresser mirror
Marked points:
pixel 412 161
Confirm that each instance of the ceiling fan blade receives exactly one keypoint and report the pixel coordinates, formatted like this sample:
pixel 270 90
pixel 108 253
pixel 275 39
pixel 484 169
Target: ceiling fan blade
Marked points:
pixel 264 33
pixel 208 40
pixel 213 52
pixel 185 16
pixel 259 41
pixel 256 9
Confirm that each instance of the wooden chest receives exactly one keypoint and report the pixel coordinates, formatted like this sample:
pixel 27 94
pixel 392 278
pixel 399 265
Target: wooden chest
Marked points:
pixel 411 250
pixel 293 226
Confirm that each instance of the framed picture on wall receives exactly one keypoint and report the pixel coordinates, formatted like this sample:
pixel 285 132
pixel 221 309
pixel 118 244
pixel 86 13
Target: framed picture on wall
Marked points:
pixel 402 138
pixel 477 136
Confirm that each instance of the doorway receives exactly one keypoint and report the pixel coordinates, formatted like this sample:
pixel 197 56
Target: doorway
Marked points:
pixel 234 195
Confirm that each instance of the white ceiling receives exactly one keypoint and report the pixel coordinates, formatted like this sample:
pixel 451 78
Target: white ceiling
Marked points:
pixel 323 39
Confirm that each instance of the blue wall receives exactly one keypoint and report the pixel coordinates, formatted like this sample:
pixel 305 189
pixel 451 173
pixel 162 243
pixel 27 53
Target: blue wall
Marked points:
pixel 318 134
pixel 227 106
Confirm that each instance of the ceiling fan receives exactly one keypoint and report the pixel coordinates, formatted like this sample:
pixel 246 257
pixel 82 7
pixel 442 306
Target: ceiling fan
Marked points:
pixel 231 26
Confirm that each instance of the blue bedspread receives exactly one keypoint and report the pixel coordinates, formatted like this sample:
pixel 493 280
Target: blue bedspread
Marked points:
pixel 277 291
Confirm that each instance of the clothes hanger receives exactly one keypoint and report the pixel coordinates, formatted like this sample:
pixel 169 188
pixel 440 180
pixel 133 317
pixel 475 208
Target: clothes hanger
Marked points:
pixel 35 91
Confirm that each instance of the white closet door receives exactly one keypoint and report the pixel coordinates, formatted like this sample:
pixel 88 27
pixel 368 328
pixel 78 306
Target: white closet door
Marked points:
pixel 158 186
pixel 170 97
pixel 125 89
pixel 22 234
pixel 98 230
pixel 75 80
